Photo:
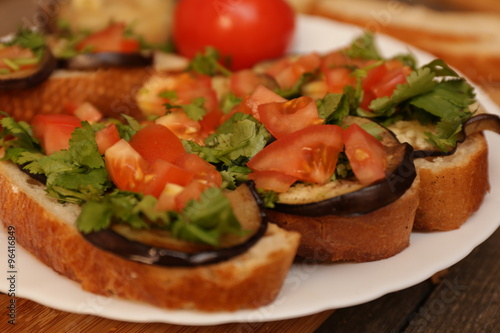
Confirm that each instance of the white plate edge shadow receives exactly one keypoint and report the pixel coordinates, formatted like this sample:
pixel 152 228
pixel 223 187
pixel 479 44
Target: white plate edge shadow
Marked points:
pixel 308 289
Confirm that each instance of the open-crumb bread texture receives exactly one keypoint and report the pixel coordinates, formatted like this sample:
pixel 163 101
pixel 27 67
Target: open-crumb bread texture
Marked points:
pixel 47 229
pixel 377 235
pixel 452 187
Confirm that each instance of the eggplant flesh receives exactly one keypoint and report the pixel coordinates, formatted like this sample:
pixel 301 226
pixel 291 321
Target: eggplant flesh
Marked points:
pixel 476 124
pixel 111 241
pixel 93 61
pixel 29 78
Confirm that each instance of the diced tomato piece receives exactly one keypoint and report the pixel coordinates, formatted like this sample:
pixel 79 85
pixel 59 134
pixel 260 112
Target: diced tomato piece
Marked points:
pixel 162 173
pixel 210 122
pixel 166 201
pixel 109 39
pixel 272 180
pixel 309 154
pixel 338 78
pixel 155 142
pixel 202 170
pixel 182 126
pixel 87 112
pixel 176 89
pixel 261 95
pixel 126 167
pixel 191 192
pixel 284 118
pixel 106 137
pixel 54 130
pixel 288 73
pixel 367 155
pixel 382 80
pixel 244 82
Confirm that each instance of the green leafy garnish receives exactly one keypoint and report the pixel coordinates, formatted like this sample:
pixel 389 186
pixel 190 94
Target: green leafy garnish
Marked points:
pixel 207 63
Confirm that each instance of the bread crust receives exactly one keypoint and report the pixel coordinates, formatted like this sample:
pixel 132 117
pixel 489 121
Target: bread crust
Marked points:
pixel 111 90
pixel 453 187
pixel 250 280
pixel 374 236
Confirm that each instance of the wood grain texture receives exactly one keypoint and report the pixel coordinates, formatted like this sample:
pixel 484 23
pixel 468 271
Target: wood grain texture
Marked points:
pixel 33 317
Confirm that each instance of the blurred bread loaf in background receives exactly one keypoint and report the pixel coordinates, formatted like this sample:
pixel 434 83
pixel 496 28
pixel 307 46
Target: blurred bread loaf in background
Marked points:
pixel 464 33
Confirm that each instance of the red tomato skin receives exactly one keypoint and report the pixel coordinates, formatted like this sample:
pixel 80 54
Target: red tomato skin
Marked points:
pixel 87 112
pixel 201 169
pixel 261 95
pixel 191 192
pixel 309 154
pixel 242 83
pixel 54 130
pixel 162 173
pixel 157 142
pixel 109 39
pixel 382 80
pixel 288 73
pixel 367 155
pixel 272 180
pixel 284 118
pixel 126 167
pixel 249 31
pixel 106 137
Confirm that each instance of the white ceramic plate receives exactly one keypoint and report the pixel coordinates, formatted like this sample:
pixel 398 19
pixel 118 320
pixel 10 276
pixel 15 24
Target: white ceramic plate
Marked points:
pixel 308 289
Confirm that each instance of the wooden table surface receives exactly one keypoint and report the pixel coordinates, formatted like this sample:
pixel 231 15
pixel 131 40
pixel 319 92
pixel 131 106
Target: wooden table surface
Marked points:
pixel 464 298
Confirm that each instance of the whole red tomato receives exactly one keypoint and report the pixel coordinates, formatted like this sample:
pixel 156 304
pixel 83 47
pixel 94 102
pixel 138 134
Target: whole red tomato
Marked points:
pixel 247 31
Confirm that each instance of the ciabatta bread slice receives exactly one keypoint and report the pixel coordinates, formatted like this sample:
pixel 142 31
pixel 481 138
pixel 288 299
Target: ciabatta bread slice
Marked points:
pixel 47 229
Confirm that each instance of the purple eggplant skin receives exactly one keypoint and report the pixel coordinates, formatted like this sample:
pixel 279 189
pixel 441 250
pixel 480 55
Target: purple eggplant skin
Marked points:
pixel 477 123
pixel 93 61
pixel 366 199
pixel 110 241
pixel 44 70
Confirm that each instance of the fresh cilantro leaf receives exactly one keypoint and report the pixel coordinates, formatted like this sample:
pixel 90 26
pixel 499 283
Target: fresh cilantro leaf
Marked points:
pixel 269 198
pixel 207 219
pixel 363 47
pixel 84 147
pixel 30 39
pixel 132 122
pixel 168 94
pixel 295 90
pixel 441 68
pixel 94 216
pixel 241 136
pixel 418 82
pixel 448 100
pixel 207 63
pixel 333 108
pixel 228 102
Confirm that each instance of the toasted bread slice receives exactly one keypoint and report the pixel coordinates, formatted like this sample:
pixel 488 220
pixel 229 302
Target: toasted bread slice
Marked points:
pixel 466 40
pixel 111 90
pixel 373 236
pixel 452 187
pixel 47 229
